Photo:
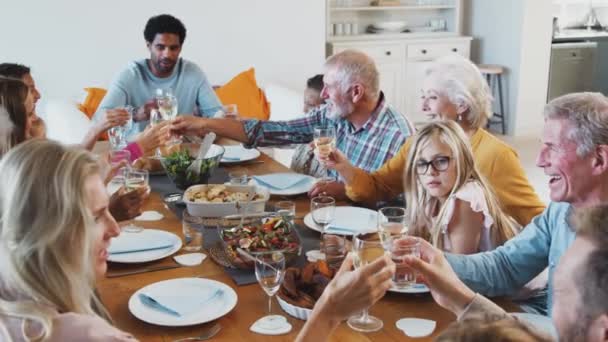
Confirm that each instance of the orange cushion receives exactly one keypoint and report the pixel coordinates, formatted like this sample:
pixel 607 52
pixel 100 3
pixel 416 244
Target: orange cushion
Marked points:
pixel 243 91
pixel 92 101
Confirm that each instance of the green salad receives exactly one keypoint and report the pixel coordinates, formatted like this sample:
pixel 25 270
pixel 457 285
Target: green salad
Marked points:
pixel 177 163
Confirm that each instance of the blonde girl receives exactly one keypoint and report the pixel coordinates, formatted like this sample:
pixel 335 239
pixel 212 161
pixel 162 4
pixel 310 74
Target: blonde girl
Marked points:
pixel 448 200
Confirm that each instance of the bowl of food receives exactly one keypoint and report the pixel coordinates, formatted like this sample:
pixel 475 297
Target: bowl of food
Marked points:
pixel 218 200
pixel 302 287
pixel 255 234
pixel 176 166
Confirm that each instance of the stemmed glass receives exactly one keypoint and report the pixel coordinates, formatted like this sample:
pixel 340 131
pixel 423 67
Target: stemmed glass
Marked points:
pixel 365 252
pixel 156 119
pixel 325 141
pixel 134 180
pixel 269 271
pixel 392 223
pixel 167 106
pixel 322 209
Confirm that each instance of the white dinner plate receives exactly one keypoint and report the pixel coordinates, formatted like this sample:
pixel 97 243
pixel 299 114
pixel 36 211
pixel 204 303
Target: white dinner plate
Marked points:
pixel 300 188
pixel 237 154
pixel 539 322
pixel 145 256
pixel 187 287
pixel 417 288
pixel 361 220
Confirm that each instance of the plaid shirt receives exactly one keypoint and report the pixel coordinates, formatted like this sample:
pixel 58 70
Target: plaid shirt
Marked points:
pixel 367 147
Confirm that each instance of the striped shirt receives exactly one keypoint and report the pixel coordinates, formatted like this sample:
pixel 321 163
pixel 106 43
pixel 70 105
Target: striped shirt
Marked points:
pixel 367 147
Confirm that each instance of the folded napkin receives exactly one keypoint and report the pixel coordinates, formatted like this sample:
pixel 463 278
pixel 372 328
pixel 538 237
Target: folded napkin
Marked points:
pixel 233 153
pixel 138 242
pixel 280 181
pixel 357 221
pixel 180 304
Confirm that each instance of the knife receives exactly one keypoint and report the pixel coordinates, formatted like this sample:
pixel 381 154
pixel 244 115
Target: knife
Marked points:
pixel 143 270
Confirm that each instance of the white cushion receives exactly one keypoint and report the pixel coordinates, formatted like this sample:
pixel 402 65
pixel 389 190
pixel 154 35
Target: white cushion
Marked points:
pixel 64 122
pixel 285 103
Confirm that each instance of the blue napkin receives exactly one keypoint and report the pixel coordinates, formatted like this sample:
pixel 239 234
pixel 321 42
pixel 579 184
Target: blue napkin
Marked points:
pixel 233 153
pixel 138 242
pixel 179 305
pixel 280 181
pixel 357 221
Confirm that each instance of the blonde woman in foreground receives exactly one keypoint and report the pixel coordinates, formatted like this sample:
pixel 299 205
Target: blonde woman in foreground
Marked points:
pixel 449 202
pixel 54 232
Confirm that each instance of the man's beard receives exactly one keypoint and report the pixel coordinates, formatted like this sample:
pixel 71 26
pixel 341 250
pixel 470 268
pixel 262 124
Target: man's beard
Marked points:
pixel 340 111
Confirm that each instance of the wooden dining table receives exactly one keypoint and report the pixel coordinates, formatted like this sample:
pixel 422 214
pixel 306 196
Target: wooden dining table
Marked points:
pixel 252 301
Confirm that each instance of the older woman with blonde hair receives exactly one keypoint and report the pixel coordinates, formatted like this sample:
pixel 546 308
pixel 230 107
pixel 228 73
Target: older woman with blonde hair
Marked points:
pixel 55 229
pixel 453 89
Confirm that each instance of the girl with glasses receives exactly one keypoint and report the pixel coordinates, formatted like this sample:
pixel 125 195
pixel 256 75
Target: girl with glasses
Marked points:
pixel 448 200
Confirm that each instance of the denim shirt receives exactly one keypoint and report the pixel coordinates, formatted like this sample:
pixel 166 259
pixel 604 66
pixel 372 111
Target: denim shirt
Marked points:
pixel 506 269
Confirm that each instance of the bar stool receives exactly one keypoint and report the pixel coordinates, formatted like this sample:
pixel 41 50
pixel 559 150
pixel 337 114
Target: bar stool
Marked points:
pixel 493 74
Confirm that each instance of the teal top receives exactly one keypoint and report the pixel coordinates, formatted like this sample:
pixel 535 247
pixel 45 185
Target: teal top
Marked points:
pixel 136 85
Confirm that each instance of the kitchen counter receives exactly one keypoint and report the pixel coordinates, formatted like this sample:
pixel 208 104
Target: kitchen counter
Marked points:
pixel 565 35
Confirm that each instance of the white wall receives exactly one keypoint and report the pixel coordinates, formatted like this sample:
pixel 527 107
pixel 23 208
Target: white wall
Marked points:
pixel 72 44
pixel 517 35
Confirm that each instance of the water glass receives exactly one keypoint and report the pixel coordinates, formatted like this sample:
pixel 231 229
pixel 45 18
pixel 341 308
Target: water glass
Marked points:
pixel 118 156
pixel 193 232
pixel 335 250
pixel 322 209
pixel 135 179
pixel 286 209
pixel 399 249
pixel 238 177
pixel 392 223
pixel 365 252
pixel 269 271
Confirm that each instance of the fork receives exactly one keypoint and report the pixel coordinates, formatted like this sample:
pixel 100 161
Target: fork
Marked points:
pixel 204 336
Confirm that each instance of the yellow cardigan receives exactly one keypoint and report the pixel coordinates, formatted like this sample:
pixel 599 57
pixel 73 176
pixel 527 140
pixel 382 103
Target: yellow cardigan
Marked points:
pixel 497 161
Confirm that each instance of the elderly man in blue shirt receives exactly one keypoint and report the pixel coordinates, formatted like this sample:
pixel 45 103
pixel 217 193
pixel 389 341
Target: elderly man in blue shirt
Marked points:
pixel 574 155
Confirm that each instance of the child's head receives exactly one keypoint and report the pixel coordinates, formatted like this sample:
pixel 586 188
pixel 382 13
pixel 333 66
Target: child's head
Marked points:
pixel 312 93
pixel 440 160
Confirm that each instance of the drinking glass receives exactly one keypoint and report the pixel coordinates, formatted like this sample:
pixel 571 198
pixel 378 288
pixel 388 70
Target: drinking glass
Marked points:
pixel 192 227
pixel 325 141
pixel 155 119
pixel 286 209
pixel 269 271
pixel 230 111
pixel 118 156
pixel 392 223
pixel 118 135
pixel 167 106
pixel 365 252
pixel 135 179
pixel 238 177
pixel 116 182
pixel 335 250
pixel 399 249
pixel 322 209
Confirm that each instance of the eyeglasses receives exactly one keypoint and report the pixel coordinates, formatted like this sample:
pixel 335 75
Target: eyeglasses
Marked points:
pixel 439 164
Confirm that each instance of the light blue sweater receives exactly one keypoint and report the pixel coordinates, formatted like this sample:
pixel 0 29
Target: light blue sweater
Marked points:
pixel 506 269
pixel 136 85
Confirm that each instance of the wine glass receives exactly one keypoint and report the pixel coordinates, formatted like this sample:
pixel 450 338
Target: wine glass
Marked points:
pixel 322 209
pixel 155 119
pixel 365 252
pixel 392 223
pixel 325 141
pixel 135 179
pixel 269 271
pixel 167 106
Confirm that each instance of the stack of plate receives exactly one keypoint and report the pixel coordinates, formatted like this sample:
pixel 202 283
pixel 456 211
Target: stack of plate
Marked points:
pixel 387 27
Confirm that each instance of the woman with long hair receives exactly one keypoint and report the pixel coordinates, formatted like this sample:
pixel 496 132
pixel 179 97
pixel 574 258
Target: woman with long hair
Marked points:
pixel 55 229
pixel 449 202
pixel 452 89
pixel 16 113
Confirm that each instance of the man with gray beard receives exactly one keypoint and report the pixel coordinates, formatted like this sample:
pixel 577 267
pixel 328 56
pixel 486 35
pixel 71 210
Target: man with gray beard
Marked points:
pixel 367 130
